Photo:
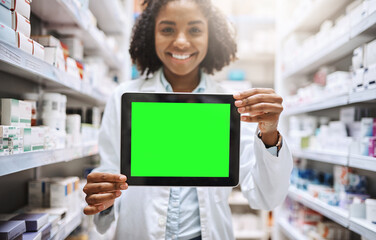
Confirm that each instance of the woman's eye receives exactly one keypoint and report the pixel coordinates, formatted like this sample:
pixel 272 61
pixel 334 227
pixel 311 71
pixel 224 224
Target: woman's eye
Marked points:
pixel 168 30
pixel 195 30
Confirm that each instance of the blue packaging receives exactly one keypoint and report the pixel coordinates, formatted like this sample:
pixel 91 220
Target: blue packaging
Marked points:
pixel 10 230
pixel 34 221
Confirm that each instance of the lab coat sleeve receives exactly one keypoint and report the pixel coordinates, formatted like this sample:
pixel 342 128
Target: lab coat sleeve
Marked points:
pixel 264 178
pixel 109 151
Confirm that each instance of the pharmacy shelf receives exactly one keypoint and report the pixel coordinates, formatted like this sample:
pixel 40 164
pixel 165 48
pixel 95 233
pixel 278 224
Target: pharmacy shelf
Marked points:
pixel 322 156
pixel 362 162
pixel 325 104
pixel 23 161
pixel 71 223
pixel 314 16
pixel 254 234
pixel 336 214
pixel 19 63
pixel 344 45
pixel 291 232
pixel 110 15
pixel 363 228
pixel 65 17
pixel 368 95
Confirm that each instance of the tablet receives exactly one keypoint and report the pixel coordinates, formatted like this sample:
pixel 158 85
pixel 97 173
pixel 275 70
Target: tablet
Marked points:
pixel 180 139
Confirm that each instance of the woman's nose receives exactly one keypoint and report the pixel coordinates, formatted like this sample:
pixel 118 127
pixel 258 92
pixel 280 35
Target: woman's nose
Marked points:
pixel 181 41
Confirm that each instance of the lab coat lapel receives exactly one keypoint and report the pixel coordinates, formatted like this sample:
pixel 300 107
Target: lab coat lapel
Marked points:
pixel 153 84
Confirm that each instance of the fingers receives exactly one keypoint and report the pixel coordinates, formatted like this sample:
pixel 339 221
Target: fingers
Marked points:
pixel 266 117
pixel 92 188
pixel 259 98
pixel 253 91
pixel 97 177
pixel 261 108
pixel 98 199
pixel 94 209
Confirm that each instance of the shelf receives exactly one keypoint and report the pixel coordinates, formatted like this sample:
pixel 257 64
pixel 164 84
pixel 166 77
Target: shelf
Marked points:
pixel 316 14
pixel 336 214
pixel 109 15
pixel 325 104
pixel 19 63
pixel 23 161
pixel 362 162
pixel 363 228
pixel 291 232
pixel 328 157
pixel 255 234
pixel 363 96
pixel 66 18
pixel 71 223
pixel 344 45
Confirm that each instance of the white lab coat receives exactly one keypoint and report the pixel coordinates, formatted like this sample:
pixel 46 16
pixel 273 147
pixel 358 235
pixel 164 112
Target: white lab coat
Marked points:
pixel 141 211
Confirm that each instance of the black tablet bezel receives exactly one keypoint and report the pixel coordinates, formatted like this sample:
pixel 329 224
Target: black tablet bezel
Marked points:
pixel 126 101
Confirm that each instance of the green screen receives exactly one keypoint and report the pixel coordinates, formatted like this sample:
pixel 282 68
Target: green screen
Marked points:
pixel 180 139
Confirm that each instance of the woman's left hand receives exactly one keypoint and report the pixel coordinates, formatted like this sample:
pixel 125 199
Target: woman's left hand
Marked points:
pixel 262 105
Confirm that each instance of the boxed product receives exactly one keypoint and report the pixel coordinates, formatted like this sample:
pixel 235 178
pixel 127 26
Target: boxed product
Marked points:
pixel 357 80
pixel 75 47
pixel 372 147
pixel 33 138
pixel 358 58
pixel 38 193
pixel 370 53
pixel 55 57
pixel 371 210
pixel 32 236
pixel 15 21
pixel 10 114
pixel 38 50
pixel 358 13
pixel 22 7
pixel 34 221
pixel 47 40
pixel 73 70
pixel 12 229
pixel 8 35
pixel 24 43
pixel 46 231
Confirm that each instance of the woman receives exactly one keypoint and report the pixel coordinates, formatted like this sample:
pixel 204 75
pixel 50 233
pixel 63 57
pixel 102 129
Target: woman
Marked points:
pixel 180 42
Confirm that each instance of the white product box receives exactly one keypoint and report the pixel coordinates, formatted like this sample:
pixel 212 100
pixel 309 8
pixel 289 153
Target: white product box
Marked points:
pixel 72 68
pixel 33 138
pixel 371 210
pixel 15 21
pixel 370 76
pixel 38 193
pixel 20 6
pixel 358 58
pixel 358 14
pixel 25 114
pixel 357 80
pixel 38 50
pixel 371 6
pixel 55 57
pixel 62 194
pixel 24 43
pixel 47 40
pixel 8 35
pixel 26 133
pixel 366 127
pixel 75 46
pixel 10 114
pixel 7 133
pixel 370 53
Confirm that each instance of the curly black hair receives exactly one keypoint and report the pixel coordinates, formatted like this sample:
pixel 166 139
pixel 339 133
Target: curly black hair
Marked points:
pixel 221 44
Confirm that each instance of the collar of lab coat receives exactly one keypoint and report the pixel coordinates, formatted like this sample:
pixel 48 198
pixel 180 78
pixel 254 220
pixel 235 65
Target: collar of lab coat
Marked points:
pixel 154 84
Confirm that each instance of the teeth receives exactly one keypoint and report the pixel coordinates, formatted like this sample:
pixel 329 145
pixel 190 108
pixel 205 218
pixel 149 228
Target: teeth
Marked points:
pixel 180 57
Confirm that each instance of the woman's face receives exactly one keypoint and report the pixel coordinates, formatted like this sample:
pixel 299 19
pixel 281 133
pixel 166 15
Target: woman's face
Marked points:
pixel 181 36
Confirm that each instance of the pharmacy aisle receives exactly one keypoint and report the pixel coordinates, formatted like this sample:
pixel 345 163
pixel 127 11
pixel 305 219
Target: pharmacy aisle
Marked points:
pixel 59 62
pixel 326 71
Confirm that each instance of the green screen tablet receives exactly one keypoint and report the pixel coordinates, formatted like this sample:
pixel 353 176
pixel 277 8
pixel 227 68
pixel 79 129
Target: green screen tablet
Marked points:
pixel 171 139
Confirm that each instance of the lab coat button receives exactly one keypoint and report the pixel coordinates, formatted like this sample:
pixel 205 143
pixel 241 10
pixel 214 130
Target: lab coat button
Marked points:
pixel 161 221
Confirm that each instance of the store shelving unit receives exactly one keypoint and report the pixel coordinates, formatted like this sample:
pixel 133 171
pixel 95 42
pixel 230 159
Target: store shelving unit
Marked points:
pixel 290 231
pixel 362 162
pixel 16 62
pixel 23 161
pixel 337 49
pixel 321 156
pixel 362 227
pixel 66 18
pixel 336 214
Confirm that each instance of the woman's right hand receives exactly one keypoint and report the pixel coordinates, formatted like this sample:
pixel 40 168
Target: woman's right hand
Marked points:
pixel 101 190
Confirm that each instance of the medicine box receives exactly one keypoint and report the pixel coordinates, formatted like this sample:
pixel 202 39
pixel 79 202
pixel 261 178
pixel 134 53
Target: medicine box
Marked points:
pixel 15 21
pixel 20 6
pixel 370 76
pixel 38 193
pixel 32 236
pixel 38 50
pixel 33 138
pixel 8 35
pixel 12 229
pixel 47 40
pixel 10 114
pixel 370 53
pixel 34 221
pixel 24 43
pixel 75 46
pixel 55 57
